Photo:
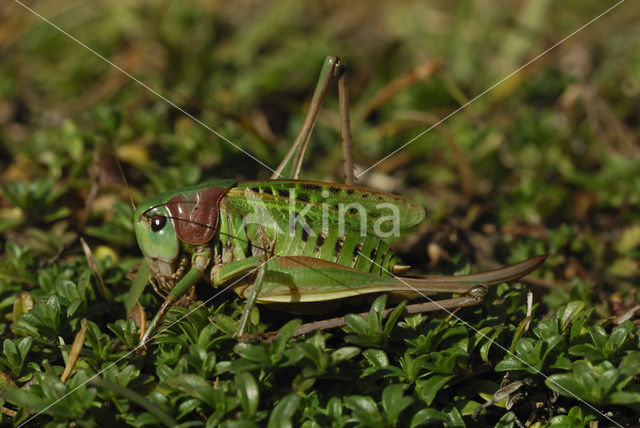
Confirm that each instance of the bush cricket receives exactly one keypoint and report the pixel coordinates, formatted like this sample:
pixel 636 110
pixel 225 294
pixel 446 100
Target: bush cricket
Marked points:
pixel 301 246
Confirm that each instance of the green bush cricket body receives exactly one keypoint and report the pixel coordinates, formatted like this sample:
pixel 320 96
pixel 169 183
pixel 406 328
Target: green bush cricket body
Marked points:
pixel 300 245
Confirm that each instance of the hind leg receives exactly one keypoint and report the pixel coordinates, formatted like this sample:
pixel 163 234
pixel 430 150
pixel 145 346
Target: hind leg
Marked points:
pixel 291 165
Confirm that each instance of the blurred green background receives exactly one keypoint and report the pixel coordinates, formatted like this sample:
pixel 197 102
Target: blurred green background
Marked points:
pixel 546 162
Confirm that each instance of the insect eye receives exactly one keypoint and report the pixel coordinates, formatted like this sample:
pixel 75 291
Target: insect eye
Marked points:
pixel 158 222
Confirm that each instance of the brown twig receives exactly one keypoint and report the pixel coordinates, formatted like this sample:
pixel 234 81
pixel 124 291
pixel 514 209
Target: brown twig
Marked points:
pixel 627 315
pixel 139 317
pixel 408 310
pixel 94 268
pixel 78 342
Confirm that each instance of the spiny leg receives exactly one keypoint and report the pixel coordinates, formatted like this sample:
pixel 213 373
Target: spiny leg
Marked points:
pixel 345 124
pixel 199 262
pixel 251 302
pixel 291 165
pixel 188 281
pixel 266 246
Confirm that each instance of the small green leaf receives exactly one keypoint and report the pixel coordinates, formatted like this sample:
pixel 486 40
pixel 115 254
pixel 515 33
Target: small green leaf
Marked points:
pixel 587 351
pixel 393 317
pixel 225 323
pixel 283 412
pixel 248 392
pixel 584 376
pixel 394 402
pixel 525 347
pixel 467 407
pixel 302 383
pixel 376 357
pixel 344 353
pixel 426 417
pixel 565 384
pixel 630 364
pixel 284 334
pixel 427 389
pixel 251 352
pixel 136 398
pixel 608 380
pixel 194 386
pixel 508 420
pixel 569 312
pixel 520 331
pixel 379 304
pixel 356 323
pixel 577 325
pixel 509 363
pixel 11 353
pixel 454 418
pixel 24 346
pixel 598 336
pixel 334 407
pixel 487 336
pixel 364 410
pixel 625 398
pixel 620 334
pixel 562 363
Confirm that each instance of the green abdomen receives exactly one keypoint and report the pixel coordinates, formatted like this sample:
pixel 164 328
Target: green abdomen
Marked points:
pixel 366 253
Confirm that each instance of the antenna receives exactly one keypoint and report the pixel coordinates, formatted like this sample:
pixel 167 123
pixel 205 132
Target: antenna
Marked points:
pixel 115 157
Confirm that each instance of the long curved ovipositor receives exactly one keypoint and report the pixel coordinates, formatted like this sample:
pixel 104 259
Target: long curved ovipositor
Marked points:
pixel 187 281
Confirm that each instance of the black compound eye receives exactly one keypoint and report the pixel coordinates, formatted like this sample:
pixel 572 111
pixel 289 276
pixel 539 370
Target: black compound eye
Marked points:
pixel 158 222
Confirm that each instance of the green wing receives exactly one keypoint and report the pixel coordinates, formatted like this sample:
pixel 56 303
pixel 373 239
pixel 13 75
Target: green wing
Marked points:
pixel 307 279
pixel 313 198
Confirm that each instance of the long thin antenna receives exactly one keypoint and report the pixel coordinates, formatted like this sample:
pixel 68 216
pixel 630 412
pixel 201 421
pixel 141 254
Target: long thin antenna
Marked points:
pixel 115 158
pixel 124 178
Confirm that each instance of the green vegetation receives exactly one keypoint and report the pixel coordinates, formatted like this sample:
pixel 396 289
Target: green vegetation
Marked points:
pixel 547 162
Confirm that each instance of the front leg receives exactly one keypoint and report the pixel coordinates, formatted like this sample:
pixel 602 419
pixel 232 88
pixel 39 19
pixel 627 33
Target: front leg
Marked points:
pixel 199 262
